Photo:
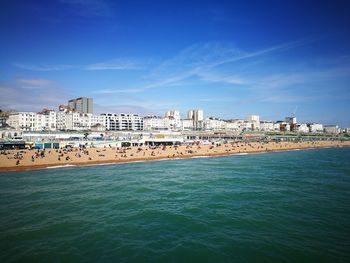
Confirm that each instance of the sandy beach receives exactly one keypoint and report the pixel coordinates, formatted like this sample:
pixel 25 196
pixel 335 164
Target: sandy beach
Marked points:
pixel 13 160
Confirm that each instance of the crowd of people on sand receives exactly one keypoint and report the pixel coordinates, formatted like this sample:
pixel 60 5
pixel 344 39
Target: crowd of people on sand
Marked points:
pixel 149 151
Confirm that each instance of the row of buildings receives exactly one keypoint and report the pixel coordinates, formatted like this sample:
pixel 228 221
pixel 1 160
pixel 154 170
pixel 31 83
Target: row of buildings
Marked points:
pixel 78 116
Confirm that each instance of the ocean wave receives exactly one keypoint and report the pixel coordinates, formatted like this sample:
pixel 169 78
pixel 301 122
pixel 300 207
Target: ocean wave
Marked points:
pixel 61 166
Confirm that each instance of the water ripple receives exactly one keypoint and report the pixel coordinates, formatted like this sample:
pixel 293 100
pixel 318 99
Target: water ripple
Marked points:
pixel 284 207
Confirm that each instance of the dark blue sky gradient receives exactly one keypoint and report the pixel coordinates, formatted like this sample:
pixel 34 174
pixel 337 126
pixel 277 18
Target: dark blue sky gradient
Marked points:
pixel 230 58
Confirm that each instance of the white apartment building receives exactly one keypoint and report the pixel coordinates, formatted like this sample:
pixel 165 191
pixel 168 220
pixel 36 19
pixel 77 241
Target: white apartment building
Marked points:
pixel 214 124
pixel 247 126
pixel 255 120
pixel 195 115
pixel 243 125
pixel 232 126
pixel 173 114
pixel 61 120
pixel 155 123
pixel 122 122
pixel 303 128
pixel 66 120
pixel 239 125
pixel 186 125
pixel 174 124
pixel 269 126
pixel 331 129
pixel 32 121
pixel 45 121
pixel 24 121
pixel 315 127
pixel 159 123
pixel 76 121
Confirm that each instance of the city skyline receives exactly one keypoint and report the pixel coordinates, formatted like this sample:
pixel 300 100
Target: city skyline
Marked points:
pixel 229 59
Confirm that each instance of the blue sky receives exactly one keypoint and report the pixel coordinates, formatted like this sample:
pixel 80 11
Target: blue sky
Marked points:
pixel 229 58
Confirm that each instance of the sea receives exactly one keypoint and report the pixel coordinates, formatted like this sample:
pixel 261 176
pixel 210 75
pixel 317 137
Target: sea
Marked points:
pixel 270 207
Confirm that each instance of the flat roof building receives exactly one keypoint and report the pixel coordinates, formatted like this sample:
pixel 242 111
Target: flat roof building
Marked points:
pixel 82 105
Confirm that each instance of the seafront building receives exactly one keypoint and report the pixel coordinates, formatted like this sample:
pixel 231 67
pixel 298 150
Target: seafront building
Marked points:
pixel 173 114
pixel 239 125
pixel 187 125
pixel 121 122
pixel 197 116
pixel 3 118
pixel 156 123
pixel 255 121
pixel 214 124
pixel 153 122
pixel 68 120
pixel 31 121
pixel 269 126
pixel 75 121
pixel 78 116
pixel 291 120
pixel 232 125
pixel 3 121
pixel 302 128
pixel 81 105
pixel 334 129
pixel 315 127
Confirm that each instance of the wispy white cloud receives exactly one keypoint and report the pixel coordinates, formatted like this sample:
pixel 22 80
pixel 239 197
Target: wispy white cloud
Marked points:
pixel 213 54
pixel 247 55
pixel 218 99
pixel 31 94
pixel 132 105
pixel 35 82
pixel 114 64
pixel 196 61
pixel 168 82
pixel 116 91
pixel 200 59
pixel 210 76
pixel 43 67
pixel 278 80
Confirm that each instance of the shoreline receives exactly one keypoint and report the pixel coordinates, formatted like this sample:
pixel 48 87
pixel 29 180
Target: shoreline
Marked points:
pixel 58 165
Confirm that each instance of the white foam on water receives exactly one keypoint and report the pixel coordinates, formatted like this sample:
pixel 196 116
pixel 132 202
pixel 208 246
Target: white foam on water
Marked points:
pixel 196 157
pixel 98 164
pixel 61 166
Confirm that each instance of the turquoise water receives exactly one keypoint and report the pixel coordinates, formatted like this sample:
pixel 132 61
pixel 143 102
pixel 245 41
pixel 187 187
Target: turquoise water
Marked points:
pixel 273 207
